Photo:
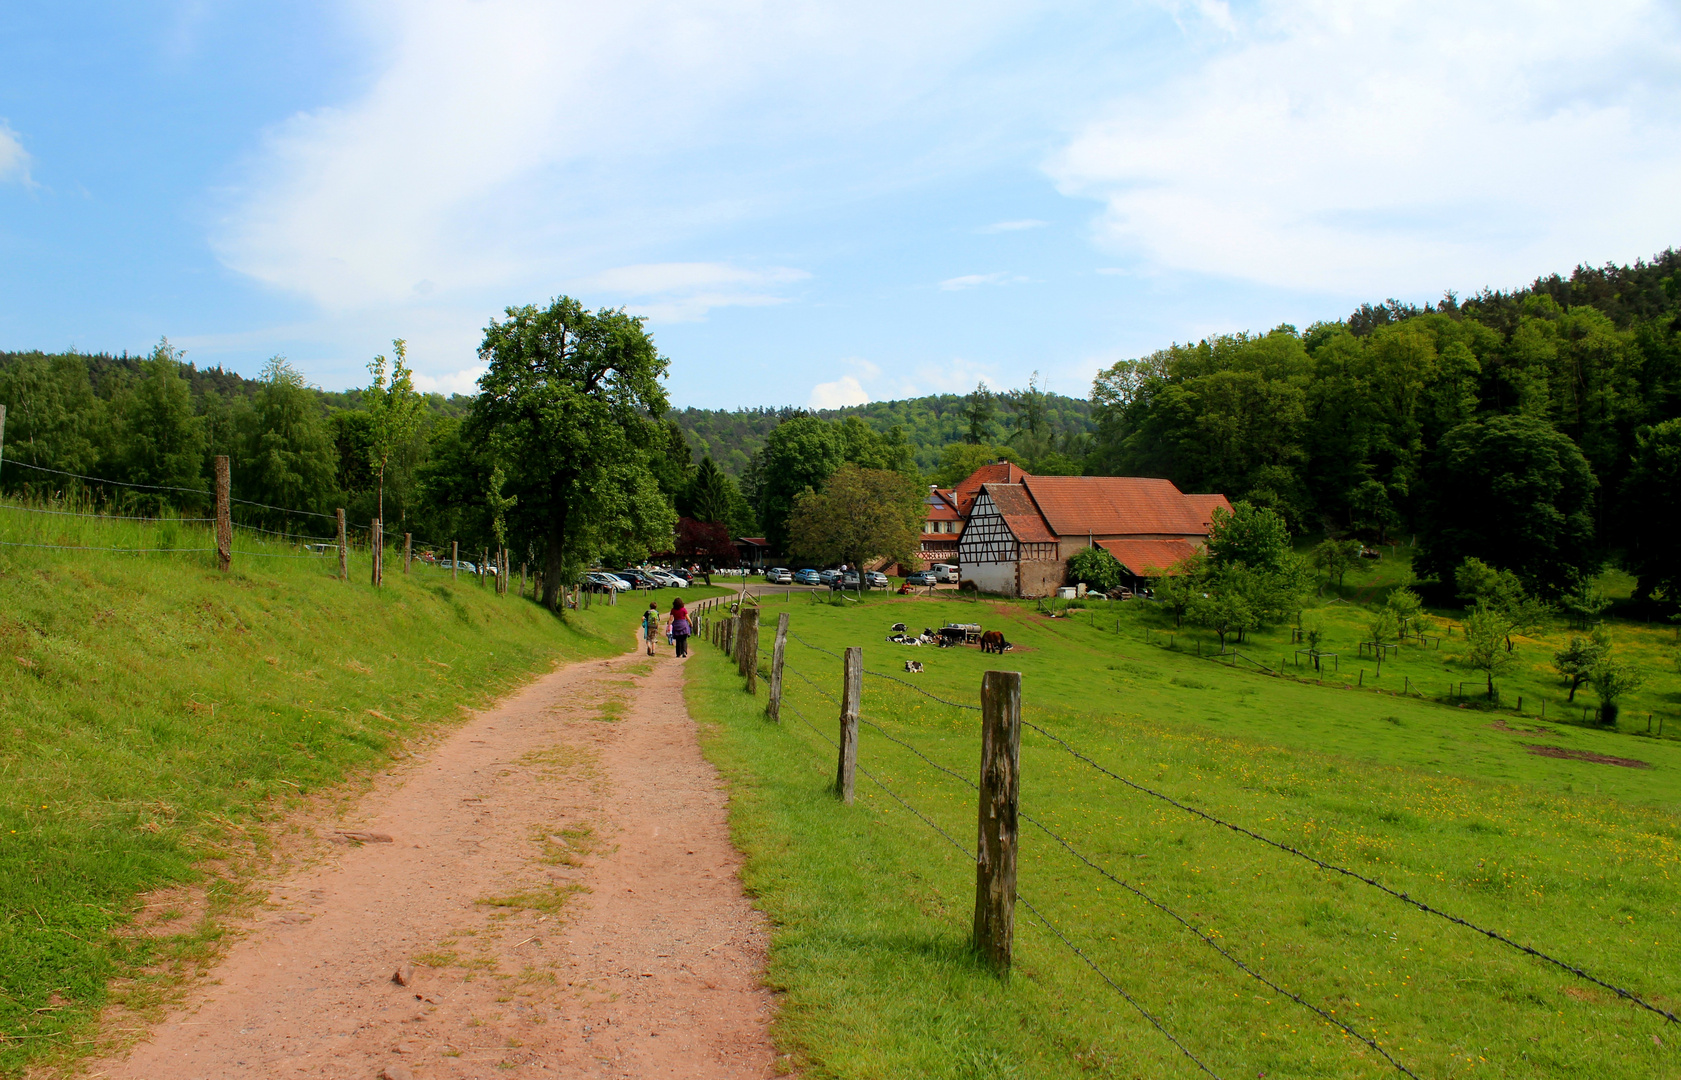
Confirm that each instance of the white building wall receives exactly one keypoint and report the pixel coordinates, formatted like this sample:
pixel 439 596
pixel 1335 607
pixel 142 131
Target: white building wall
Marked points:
pixel 992 577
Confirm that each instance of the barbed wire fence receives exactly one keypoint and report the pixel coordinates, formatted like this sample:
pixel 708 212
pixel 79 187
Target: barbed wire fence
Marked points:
pixel 721 622
pixel 491 568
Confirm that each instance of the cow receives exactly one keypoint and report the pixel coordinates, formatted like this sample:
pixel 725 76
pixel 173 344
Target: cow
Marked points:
pixel 914 666
pixel 993 642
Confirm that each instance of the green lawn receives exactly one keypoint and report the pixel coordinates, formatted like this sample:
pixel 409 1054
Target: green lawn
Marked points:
pixel 872 907
pixel 155 713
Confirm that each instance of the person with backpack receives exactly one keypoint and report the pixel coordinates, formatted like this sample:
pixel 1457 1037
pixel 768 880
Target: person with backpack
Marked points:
pixel 650 625
pixel 680 627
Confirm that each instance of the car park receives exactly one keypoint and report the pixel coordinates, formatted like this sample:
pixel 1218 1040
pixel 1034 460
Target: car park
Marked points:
pixel 778 575
pixel 808 577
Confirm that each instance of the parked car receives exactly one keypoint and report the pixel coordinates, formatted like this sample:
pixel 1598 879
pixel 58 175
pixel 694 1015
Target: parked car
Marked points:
pixel 923 579
pixel 877 580
pixel 945 572
pixel 637 579
pixel 666 579
pixel 808 577
pixel 849 580
pixel 828 577
pixel 602 581
pixel 682 575
pixel 778 575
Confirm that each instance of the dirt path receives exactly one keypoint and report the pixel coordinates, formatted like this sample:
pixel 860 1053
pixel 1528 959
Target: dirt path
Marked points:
pixel 561 879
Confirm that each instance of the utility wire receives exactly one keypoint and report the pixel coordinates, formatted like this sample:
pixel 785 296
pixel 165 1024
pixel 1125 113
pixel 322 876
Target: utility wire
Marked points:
pixel 1493 935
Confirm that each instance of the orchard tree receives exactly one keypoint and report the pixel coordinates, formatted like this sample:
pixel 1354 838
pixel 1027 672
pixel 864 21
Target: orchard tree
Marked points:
pixel 1611 679
pixel 1255 536
pixel 568 404
pixel 1578 659
pixel 1335 558
pixel 1181 586
pixel 1486 649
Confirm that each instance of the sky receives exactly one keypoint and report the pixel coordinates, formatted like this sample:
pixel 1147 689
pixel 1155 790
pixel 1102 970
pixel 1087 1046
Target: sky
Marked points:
pixel 812 204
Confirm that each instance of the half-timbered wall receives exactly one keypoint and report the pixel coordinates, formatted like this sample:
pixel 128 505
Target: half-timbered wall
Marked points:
pixel 986 538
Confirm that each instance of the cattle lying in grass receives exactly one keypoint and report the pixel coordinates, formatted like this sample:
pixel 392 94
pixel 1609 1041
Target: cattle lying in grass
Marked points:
pixel 993 642
pixel 914 666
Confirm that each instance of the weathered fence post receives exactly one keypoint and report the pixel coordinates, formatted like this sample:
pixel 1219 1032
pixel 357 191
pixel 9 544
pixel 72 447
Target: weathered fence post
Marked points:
pixel 773 708
pixel 224 515
pixel 344 549
pixel 484 557
pixel 995 848
pixel 408 551
pixel 747 656
pixel 376 545
pixel 454 559
pixel 522 580
pixel 852 688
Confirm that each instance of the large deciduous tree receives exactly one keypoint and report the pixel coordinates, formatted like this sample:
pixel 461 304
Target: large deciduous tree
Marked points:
pixel 800 453
pixel 568 404
pixel 287 457
pixel 1653 496
pixel 162 437
pixel 861 514
pixel 1515 493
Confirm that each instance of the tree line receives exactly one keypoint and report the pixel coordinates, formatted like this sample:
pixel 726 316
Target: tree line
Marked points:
pixel 1537 430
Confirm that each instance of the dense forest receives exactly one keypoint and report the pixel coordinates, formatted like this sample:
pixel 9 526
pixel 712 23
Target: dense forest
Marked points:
pixel 928 425
pixel 1538 430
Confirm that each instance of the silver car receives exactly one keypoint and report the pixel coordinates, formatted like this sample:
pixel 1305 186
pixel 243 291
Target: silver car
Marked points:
pixel 777 575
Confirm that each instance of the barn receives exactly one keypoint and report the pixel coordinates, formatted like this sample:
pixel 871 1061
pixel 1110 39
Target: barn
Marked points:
pixel 1019 536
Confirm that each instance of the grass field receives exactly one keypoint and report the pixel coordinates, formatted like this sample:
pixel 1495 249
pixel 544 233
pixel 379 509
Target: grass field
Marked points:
pixel 872 907
pixel 159 718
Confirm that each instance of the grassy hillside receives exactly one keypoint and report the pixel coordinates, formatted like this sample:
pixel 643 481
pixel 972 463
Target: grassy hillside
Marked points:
pixel 155 713
pixel 1578 858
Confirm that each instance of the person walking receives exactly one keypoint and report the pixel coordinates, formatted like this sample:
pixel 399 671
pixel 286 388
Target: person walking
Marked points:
pixel 681 628
pixel 650 625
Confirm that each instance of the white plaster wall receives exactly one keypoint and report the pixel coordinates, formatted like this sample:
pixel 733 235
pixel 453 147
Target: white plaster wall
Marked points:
pixel 992 577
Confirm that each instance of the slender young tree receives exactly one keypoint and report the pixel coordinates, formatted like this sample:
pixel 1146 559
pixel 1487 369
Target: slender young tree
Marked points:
pixel 394 412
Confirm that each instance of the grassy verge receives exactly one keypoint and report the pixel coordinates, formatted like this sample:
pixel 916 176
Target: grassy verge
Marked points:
pixel 872 907
pixel 158 718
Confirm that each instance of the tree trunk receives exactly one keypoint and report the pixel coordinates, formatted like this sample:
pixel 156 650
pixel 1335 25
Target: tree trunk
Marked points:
pixel 554 559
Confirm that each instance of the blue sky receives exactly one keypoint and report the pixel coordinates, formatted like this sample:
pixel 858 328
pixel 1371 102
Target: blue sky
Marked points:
pixel 813 203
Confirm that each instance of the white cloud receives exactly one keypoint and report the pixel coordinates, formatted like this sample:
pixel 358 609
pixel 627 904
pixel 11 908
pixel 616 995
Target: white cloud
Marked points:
pixel 14 159
pixel 844 391
pixel 465 381
pixel 682 292
pixel 957 375
pixel 1012 226
pixel 1373 148
pixel 518 143
pixel 970 281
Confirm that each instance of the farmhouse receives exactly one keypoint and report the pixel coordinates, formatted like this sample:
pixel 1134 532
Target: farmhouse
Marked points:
pixel 942 524
pixel 1021 530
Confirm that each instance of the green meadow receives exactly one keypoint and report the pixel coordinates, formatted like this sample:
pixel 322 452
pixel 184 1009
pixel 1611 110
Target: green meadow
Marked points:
pixel 1452 806
pixel 159 721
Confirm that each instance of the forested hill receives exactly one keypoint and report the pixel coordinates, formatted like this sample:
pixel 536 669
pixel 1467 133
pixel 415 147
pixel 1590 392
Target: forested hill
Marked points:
pixel 732 436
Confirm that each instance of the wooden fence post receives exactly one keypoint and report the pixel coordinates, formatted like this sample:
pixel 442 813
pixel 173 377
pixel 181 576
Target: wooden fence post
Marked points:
pixel 408 551
pixel 224 515
pixel 773 708
pixel 747 655
pixel 484 555
pixel 344 549
pixel 376 546
pixel 852 688
pixel 454 559
pixel 522 582
pixel 995 864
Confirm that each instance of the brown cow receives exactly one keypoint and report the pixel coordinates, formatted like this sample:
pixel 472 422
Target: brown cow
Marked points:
pixel 993 641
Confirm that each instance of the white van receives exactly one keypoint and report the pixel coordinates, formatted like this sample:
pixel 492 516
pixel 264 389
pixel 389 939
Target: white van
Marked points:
pixel 946 572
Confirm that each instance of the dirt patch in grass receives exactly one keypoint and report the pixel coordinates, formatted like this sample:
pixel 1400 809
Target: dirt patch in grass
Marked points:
pixel 1501 725
pixel 1586 755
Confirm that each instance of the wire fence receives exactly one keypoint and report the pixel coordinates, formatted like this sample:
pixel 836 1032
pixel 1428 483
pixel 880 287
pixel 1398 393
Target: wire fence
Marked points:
pixel 1322 1013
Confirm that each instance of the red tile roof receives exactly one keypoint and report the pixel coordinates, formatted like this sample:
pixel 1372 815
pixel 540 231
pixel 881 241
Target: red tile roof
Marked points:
pixel 941 506
pixel 1002 472
pixel 1020 514
pixel 1204 506
pixel 1149 558
pixel 1114 505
